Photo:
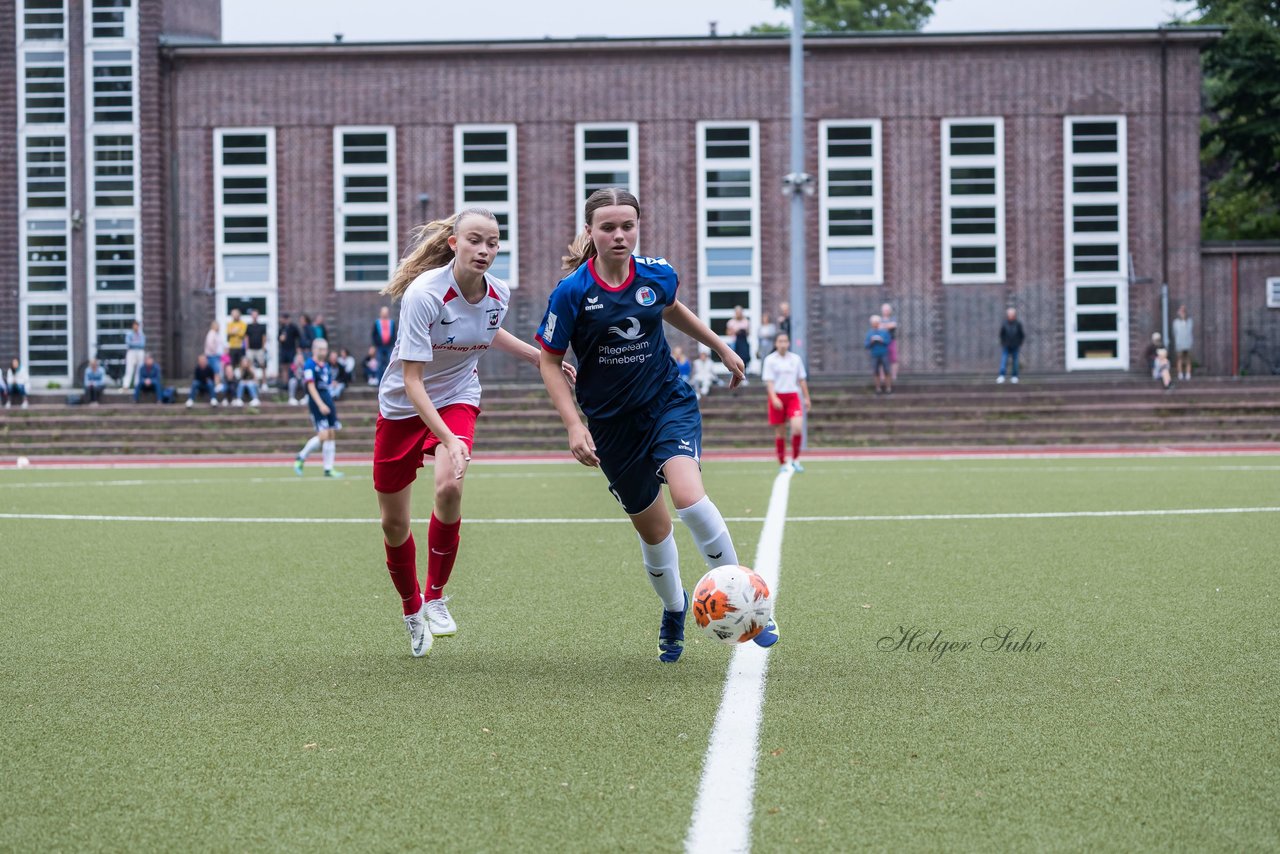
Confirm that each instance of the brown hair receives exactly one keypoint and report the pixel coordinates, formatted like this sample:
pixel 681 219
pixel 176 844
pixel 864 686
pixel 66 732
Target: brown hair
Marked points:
pixel 582 247
pixel 432 250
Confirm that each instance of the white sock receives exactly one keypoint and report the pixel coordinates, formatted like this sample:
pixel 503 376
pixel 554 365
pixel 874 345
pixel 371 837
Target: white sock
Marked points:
pixel 330 451
pixel 710 533
pixel 662 563
pixel 312 444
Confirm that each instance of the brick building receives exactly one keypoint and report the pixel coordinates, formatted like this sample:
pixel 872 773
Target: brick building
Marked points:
pixel 955 174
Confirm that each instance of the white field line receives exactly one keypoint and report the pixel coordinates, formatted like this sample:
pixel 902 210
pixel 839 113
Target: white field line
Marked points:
pixel 722 812
pixel 471 520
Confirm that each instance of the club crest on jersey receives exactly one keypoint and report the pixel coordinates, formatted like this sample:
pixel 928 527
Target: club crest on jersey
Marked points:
pixel 645 296
pixel 493 318
pixel 631 333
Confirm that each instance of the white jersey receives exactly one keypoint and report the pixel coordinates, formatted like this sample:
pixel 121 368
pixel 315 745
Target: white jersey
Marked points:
pixel 784 371
pixel 438 326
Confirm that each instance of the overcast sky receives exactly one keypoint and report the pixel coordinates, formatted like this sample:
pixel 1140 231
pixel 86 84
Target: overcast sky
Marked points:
pixel 414 20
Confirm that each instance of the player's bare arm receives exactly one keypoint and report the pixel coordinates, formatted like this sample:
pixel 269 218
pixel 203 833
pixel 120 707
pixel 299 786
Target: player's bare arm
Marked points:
pixel 507 343
pixel 417 393
pixel 583 447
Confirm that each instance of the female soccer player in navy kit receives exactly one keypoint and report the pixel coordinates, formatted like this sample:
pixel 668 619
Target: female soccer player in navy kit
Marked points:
pixel 451 312
pixel 644 425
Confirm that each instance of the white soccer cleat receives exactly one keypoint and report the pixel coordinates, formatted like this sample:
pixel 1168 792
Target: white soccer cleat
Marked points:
pixel 439 618
pixel 419 636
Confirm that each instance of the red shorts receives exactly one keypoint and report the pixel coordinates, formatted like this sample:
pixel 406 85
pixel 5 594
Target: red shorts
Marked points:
pixel 400 444
pixel 790 408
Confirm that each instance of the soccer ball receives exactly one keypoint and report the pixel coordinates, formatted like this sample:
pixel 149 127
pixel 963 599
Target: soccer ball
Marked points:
pixel 732 604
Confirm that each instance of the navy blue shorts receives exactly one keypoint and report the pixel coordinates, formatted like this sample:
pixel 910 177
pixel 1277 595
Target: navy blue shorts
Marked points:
pixel 634 448
pixel 324 422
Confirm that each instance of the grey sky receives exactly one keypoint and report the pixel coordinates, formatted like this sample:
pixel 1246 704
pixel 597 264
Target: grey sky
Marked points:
pixel 414 20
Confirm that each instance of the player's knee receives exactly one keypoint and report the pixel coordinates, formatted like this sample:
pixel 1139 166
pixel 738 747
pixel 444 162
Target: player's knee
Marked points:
pixel 449 492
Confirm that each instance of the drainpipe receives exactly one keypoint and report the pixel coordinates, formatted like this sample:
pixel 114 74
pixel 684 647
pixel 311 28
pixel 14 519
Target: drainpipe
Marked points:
pixel 1235 314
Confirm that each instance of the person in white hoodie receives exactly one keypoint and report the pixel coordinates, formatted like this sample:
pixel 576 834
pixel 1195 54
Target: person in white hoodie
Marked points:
pixel 1183 337
pixel 16 379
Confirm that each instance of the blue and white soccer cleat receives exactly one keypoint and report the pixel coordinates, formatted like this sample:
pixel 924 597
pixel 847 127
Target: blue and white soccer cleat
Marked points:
pixel 333 473
pixel 796 467
pixel 297 466
pixel 671 634
pixel 419 633
pixel 768 636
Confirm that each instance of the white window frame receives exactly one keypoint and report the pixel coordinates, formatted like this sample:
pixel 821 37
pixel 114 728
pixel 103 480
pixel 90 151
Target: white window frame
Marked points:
pixel 45 48
pixel 751 164
pixel 1273 292
pixel 1120 198
pixel 220 211
pixel 24 197
pixel 130 25
pixel 92 63
pixel 24 313
pixel 511 245
pixel 342 208
pixel 582 166
pixel 951 242
pixel 95 317
pixel 826 203
pixel 22 24
pixel 92 176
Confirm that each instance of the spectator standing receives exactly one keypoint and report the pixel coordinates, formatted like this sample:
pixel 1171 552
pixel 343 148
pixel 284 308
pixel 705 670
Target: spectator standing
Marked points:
pixel 1011 337
pixel 288 338
pixel 135 345
pixel 888 323
pixel 255 339
pixel 703 374
pixel 318 329
pixel 385 330
pixel 149 380
pixel 214 346
pixel 306 334
pixel 765 336
pixel 236 329
pixel 784 318
pixel 738 329
pixel 16 379
pixel 203 380
pixel 877 344
pixel 95 381
pixel 1183 338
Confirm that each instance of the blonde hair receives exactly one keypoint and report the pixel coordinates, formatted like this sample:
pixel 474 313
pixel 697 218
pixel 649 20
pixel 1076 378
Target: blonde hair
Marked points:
pixel 583 247
pixel 431 251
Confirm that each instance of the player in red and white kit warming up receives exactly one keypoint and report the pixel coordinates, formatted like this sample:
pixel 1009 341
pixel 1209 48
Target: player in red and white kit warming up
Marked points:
pixel 784 380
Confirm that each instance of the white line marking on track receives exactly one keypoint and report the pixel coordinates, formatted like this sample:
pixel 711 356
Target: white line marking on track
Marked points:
pixel 726 796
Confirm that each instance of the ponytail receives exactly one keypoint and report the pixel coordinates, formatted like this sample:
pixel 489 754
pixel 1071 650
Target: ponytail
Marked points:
pixel 583 248
pixel 431 250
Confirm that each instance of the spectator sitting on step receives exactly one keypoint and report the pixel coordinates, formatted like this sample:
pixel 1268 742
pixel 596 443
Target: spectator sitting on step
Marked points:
pixel 1150 354
pixel 4 391
pixel 16 379
pixel 1161 371
pixel 371 367
pixel 877 344
pixel 229 383
pixel 203 380
pixel 702 375
pixel 682 364
pixel 149 380
pixel 306 334
pixel 95 381
pixel 337 385
pixel 296 387
pixel 348 363
pixel 246 383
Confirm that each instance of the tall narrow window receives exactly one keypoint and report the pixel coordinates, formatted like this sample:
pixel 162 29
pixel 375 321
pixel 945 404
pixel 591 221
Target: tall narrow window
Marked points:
pixel 606 157
pixel 112 19
pixel 114 255
pixel 244 170
pixel 849 169
pixel 112 86
pixel 46 257
pixel 484 159
pixel 46 171
pixel 48 338
pixel 364 183
pixel 728 202
pixel 111 320
pixel 113 170
pixel 43 20
pixel 973 200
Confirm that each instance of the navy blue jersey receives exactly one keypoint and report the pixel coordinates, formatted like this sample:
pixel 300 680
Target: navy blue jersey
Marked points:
pixel 616 333
pixel 320 374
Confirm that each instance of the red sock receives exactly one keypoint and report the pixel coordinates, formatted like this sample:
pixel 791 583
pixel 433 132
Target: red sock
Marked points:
pixel 402 563
pixel 442 546
pixel 781 445
pixel 795 446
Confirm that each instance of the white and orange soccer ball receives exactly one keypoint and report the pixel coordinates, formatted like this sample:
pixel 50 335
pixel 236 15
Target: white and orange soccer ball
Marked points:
pixel 732 604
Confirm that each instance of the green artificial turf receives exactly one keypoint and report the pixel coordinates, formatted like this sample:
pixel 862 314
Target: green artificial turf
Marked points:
pixel 246 685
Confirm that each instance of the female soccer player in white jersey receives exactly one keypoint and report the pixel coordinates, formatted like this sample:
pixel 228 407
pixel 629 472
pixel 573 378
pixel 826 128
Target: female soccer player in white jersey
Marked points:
pixel 451 312
pixel 784 380
pixel 644 425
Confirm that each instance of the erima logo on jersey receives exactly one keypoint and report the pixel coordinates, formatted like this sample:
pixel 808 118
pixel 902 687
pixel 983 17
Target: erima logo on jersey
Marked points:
pixel 631 333
pixel 646 296
pixel 593 304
